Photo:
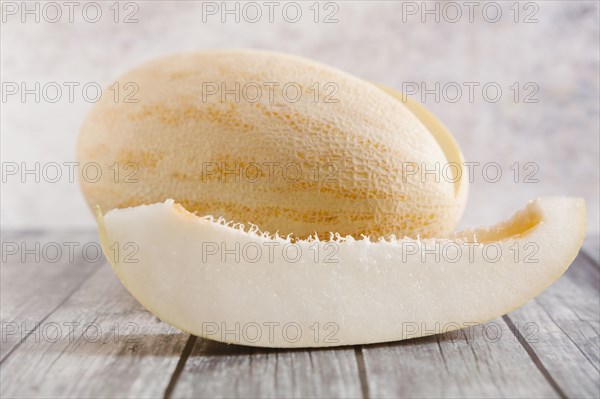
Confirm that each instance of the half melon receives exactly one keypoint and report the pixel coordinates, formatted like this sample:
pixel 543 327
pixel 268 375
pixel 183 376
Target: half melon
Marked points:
pixel 338 157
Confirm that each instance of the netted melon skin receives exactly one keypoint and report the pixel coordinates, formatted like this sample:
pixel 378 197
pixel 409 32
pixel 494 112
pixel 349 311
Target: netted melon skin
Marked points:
pixel 335 160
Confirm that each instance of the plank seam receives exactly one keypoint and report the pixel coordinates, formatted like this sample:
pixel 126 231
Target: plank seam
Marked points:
pixel 437 340
pixel 567 335
pixel 185 354
pixel 37 325
pixel 534 357
pixel 362 372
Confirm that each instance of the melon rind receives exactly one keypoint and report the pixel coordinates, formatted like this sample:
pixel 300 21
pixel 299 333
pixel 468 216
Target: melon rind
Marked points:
pixel 446 141
pixel 352 148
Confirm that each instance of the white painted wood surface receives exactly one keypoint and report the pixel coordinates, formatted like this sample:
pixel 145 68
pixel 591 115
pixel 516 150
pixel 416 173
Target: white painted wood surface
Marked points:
pixel 109 346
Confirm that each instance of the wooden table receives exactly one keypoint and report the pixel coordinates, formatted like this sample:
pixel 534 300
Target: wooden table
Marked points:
pixel 69 329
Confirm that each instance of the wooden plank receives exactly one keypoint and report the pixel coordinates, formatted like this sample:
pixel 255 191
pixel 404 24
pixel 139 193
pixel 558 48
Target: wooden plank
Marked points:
pixel 562 325
pixel 137 356
pixel 216 370
pixel 31 290
pixel 480 361
pixel 116 349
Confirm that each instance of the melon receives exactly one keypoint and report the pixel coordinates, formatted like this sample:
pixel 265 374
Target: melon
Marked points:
pixel 216 280
pixel 263 199
pixel 279 141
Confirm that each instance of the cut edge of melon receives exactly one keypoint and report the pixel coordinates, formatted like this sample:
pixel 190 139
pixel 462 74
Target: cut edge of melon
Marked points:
pixel 519 225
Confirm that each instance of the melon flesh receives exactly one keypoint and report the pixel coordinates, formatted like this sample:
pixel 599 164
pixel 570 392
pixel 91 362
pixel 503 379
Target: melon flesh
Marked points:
pixel 342 291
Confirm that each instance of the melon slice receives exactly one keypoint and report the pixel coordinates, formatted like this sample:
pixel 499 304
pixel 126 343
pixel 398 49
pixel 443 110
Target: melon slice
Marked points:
pixel 215 280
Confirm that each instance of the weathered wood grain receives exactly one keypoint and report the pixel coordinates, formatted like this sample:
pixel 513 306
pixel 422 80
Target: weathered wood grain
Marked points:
pixel 215 370
pixel 562 326
pixel 480 361
pixel 116 349
pixel 135 355
pixel 31 290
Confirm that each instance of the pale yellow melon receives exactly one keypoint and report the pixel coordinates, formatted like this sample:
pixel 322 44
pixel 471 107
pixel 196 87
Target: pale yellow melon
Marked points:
pixel 347 157
pixel 219 282
pixel 336 160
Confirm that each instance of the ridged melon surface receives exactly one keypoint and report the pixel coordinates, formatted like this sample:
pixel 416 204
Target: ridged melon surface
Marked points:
pixel 184 141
